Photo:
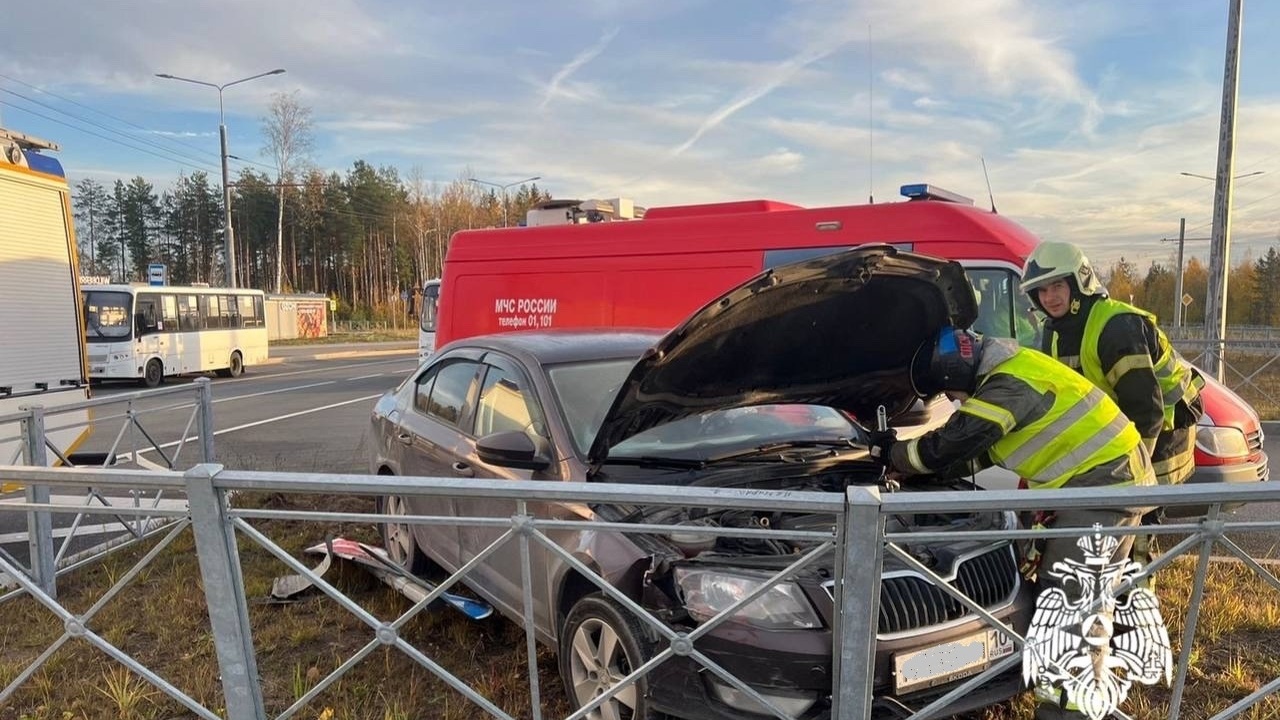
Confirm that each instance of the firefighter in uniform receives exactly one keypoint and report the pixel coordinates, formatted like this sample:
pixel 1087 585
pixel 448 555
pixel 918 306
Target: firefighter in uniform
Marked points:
pixel 1120 349
pixel 1031 415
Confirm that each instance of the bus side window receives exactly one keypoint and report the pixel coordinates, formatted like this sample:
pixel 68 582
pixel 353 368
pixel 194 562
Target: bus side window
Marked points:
pixel 230 313
pixel 169 313
pixel 188 313
pixel 145 318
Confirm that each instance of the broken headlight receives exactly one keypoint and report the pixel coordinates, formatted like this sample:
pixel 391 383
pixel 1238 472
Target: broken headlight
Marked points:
pixel 783 606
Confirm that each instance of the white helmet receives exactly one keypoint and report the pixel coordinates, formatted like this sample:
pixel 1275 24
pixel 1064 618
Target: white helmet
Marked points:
pixel 1055 261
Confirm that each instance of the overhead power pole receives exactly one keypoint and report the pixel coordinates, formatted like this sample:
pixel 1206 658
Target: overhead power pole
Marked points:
pixel 1215 315
pixel 1179 308
pixel 1177 286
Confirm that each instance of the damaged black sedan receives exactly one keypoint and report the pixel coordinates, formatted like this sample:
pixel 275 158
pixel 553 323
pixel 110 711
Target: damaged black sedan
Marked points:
pixel 763 389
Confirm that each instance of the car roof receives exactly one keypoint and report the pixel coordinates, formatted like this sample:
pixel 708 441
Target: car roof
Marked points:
pixel 550 347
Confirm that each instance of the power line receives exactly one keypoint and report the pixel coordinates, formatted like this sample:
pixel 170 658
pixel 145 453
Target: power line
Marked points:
pixel 104 113
pixel 29 111
pixel 95 124
pixel 101 112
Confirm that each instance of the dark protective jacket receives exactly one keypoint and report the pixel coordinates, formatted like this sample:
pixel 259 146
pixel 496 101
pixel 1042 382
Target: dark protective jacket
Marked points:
pixel 1127 359
pixel 1032 416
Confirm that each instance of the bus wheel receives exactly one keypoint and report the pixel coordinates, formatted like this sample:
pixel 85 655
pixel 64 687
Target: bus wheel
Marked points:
pixel 154 374
pixel 235 368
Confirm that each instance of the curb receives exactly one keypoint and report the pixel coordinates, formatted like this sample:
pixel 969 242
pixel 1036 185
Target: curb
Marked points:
pixel 337 355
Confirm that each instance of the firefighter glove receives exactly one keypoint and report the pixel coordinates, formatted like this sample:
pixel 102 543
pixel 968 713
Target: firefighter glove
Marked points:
pixel 879 442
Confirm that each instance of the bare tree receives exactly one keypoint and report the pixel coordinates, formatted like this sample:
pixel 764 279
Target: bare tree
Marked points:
pixel 287 128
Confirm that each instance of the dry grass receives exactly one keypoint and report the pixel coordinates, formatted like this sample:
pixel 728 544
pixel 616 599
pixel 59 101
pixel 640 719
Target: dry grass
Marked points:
pixel 160 619
pixel 383 335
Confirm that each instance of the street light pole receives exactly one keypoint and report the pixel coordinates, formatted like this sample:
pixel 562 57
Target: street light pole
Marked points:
pixel 229 233
pixel 503 188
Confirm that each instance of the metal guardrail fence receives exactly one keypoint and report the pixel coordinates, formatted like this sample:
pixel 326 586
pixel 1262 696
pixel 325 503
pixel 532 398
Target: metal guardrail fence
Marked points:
pixel 856 544
pixel 130 443
pixel 1239 377
pixel 1235 333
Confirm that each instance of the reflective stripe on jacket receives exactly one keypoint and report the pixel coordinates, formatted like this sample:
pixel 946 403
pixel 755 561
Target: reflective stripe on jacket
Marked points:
pixel 1082 429
pixel 1172 374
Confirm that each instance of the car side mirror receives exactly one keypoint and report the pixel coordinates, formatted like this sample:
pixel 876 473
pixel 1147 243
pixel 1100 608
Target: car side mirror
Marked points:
pixel 513 449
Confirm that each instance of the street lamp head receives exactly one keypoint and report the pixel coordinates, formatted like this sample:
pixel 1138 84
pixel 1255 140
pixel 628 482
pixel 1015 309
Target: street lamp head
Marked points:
pixel 1237 177
pixel 166 76
pixel 277 71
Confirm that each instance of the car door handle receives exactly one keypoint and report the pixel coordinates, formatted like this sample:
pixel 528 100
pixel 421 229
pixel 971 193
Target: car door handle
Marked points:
pixel 406 438
pixel 463 469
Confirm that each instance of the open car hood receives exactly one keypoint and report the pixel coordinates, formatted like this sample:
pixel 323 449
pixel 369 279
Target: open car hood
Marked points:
pixel 838 330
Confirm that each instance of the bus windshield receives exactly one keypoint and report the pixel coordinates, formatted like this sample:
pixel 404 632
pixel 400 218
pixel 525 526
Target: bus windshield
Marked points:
pixel 107 315
pixel 430 300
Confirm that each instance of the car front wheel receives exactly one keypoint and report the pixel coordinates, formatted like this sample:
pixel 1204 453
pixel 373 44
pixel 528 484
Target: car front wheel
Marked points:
pixel 600 645
pixel 398 540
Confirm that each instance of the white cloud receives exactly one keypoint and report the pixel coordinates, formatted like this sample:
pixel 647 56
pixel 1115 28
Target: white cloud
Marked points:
pixel 554 88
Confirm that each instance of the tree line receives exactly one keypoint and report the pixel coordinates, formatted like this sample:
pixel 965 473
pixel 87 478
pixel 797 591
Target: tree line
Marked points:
pixel 363 237
pixel 1253 293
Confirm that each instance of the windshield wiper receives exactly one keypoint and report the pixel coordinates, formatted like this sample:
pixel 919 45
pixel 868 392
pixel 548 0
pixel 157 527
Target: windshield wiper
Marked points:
pixel 657 462
pixel 770 448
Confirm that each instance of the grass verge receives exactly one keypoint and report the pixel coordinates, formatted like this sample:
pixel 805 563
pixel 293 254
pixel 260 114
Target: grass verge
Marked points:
pixel 160 619
pixel 386 335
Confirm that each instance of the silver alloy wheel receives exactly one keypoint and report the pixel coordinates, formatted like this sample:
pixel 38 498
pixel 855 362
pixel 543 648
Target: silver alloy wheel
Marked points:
pixel 598 662
pixel 399 536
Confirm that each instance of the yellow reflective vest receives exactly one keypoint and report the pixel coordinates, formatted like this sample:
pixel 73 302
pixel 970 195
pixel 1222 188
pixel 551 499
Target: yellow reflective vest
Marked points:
pixel 1083 429
pixel 1172 375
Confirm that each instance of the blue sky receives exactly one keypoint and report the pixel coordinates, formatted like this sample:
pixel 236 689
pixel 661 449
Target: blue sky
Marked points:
pixel 1086 112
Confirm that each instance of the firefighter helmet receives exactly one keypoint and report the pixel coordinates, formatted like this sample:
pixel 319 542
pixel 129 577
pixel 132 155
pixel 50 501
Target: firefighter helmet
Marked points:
pixel 947 362
pixel 1057 261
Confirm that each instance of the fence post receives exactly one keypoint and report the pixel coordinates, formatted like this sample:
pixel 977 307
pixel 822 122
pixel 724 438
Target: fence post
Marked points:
pixel 44 571
pixel 858 600
pixel 224 594
pixel 204 389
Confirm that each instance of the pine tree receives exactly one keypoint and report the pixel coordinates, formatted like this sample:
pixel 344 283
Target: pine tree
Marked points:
pixel 90 202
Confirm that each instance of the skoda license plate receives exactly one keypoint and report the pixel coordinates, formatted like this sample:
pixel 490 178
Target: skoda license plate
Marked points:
pixel 920 669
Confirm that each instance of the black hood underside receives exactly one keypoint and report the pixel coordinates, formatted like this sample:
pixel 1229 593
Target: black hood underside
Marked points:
pixel 838 330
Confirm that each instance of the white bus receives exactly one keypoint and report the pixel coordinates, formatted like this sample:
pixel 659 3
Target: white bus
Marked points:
pixel 428 313
pixel 146 333
pixel 42 358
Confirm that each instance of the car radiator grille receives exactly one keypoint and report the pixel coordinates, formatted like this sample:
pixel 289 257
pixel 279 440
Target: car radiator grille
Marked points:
pixel 908 602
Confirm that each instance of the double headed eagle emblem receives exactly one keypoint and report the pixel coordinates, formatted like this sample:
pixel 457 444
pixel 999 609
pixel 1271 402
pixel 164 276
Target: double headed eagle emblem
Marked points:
pixel 1091 644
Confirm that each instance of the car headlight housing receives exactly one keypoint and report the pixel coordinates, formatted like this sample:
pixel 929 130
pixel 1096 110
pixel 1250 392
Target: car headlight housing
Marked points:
pixel 782 607
pixel 1225 442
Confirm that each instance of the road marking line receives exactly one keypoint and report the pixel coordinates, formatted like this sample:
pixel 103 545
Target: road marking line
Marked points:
pixel 66 503
pixel 273 392
pixel 148 464
pixel 366 377
pixel 63 532
pixel 312 371
pixel 293 415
